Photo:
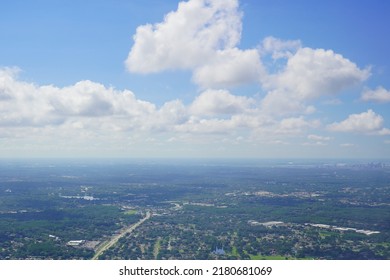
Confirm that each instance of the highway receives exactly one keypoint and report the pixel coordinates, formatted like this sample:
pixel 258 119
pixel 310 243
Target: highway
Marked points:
pixel 108 244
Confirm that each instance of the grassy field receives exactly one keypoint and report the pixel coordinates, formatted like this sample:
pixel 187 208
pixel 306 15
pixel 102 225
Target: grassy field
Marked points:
pixel 131 212
pixel 234 251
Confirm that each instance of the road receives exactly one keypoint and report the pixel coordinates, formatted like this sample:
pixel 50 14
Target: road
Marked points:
pixel 108 244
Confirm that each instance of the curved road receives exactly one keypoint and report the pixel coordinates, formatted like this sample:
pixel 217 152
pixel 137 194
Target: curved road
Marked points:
pixel 108 244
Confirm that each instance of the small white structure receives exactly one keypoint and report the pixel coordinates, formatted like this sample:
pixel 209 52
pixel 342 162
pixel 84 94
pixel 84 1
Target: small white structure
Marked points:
pixel 266 224
pixel 54 237
pixel 75 242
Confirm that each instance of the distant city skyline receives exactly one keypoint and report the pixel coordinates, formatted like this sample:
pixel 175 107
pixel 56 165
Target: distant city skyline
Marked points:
pixel 197 78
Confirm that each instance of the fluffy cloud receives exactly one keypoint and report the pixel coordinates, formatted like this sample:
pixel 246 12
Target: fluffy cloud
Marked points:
pixel 186 37
pixel 366 122
pixel 380 95
pixel 294 125
pixel 89 109
pixel 22 103
pixel 201 36
pixel 311 73
pixel 220 102
pixel 229 68
pixel 281 102
pixel 28 104
pixel 207 126
pixel 307 75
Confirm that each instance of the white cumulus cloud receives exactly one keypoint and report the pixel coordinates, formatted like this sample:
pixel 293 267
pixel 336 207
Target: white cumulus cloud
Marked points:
pixel 310 74
pixel 219 102
pixel 28 104
pixel 229 68
pixel 90 109
pixel 201 36
pixel 366 122
pixel 294 125
pixel 379 94
pixel 187 37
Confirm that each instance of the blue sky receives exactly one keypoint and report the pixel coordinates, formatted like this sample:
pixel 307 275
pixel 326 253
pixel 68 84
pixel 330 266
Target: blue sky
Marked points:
pixel 198 78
